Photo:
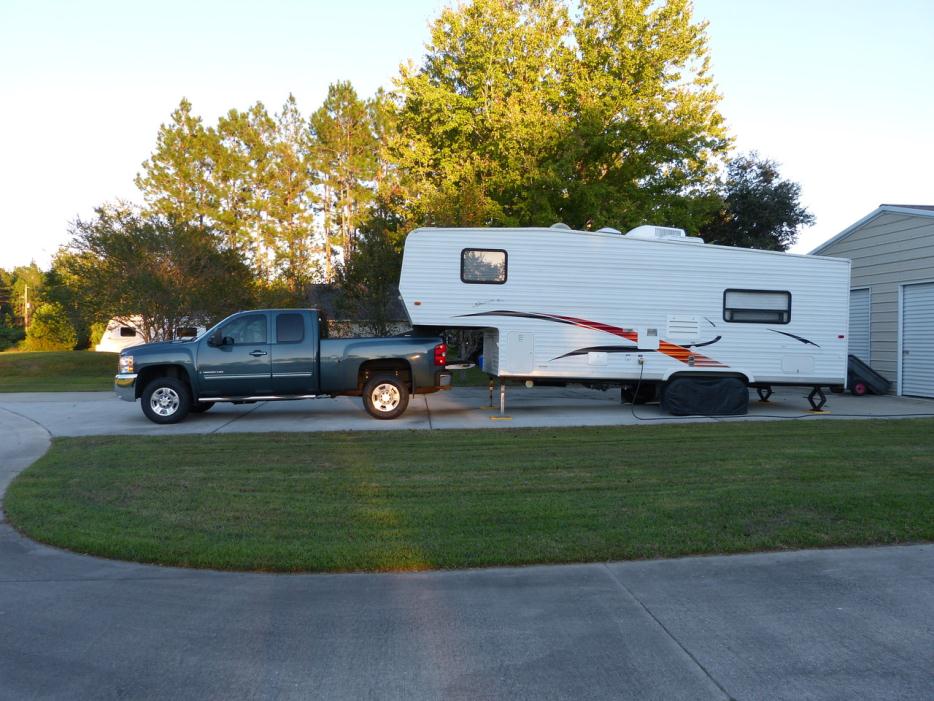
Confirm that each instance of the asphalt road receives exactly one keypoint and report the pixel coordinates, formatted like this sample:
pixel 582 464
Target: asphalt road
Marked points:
pixel 829 624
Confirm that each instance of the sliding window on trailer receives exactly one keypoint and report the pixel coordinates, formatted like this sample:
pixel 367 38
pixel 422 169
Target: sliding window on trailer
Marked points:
pixel 757 306
pixel 484 266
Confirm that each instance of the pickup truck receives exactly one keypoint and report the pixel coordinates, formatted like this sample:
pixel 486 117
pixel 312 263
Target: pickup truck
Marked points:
pixel 274 354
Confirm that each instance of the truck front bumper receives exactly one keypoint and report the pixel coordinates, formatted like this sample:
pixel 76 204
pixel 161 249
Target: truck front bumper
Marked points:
pixel 125 386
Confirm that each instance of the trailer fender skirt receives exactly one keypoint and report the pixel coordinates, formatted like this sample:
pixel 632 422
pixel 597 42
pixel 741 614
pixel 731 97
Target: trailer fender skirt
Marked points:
pixel 705 396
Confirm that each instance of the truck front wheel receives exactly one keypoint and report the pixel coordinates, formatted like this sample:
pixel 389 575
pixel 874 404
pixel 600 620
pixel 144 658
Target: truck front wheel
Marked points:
pixel 385 397
pixel 166 400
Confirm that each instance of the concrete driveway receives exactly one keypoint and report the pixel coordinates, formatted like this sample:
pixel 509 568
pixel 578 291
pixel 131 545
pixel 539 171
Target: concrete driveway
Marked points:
pixel 830 624
pixel 101 413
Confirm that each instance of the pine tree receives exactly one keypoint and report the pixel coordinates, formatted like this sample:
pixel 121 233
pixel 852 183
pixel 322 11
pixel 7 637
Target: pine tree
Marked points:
pixel 288 227
pixel 177 179
pixel 344 149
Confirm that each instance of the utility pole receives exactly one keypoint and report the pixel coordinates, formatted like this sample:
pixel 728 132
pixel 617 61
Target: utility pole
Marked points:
pixel 26 309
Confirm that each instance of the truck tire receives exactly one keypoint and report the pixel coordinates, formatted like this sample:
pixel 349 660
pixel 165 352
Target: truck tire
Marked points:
pixel 166 400
pixel 200 407
pixel 385 397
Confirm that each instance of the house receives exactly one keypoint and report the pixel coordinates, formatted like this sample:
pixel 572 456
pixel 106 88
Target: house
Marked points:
pixel 350 320
pixel 892 293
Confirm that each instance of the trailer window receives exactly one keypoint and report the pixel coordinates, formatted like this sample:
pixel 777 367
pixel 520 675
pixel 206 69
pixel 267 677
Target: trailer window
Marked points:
pixel 127 332
pixel 479 266
pixel 757 306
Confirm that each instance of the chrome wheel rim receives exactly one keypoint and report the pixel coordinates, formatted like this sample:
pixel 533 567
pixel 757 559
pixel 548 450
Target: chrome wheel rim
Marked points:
pixel 164 401
pixel 385 397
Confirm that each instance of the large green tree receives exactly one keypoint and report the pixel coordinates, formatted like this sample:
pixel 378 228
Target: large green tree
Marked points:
pixel 760 209
pixel 480 120
pixel 519 115
pixel 647 134
pixel 123 264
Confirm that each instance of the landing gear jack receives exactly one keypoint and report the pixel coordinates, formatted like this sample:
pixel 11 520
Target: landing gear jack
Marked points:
pixel 764 393
pixel 817 398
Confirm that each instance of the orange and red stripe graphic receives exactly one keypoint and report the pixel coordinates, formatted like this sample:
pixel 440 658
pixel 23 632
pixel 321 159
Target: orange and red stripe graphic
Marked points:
pixel 672 350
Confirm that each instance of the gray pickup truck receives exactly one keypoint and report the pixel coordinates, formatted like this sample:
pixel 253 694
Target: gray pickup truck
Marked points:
pixel 274 354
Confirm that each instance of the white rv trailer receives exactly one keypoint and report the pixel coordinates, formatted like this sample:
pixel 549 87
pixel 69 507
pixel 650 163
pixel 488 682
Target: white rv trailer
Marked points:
pixel 125 332
pixel 606 308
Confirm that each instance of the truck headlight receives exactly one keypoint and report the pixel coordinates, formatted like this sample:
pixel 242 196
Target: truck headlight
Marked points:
pixel 126 363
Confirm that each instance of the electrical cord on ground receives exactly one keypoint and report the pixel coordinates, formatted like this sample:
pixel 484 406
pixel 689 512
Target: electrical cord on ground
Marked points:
pixel 632 408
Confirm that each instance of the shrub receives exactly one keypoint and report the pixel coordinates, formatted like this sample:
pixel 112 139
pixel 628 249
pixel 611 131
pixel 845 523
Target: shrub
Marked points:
pixel 10 336
pixel 50 330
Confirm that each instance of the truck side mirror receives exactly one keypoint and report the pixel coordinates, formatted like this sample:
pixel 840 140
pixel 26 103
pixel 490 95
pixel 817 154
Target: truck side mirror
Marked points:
pixel 216 340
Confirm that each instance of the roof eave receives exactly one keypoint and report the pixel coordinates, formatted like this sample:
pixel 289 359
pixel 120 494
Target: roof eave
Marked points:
pixel 877 212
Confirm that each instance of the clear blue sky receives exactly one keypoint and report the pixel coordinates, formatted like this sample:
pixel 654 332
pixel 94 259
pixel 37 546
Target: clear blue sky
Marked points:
pixel 838 91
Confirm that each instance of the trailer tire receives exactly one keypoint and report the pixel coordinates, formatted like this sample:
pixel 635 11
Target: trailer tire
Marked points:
pixel 385 397
pixel 860 389
pixel 166 400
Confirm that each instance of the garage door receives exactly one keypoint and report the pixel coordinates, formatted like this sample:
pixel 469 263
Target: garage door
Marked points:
pixel 918 340
pixel 859 324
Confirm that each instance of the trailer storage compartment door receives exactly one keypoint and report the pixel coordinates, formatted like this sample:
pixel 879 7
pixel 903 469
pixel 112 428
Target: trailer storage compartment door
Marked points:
pixel 859 324
pixel 519 353
pixel 918 340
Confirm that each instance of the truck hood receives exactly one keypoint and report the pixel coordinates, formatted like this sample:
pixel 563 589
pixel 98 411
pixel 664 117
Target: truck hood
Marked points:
pixel 158 348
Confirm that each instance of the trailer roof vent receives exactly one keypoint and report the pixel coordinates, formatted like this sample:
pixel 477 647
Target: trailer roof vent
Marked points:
pixel 560 225
pixel 661 233
pixel 608 230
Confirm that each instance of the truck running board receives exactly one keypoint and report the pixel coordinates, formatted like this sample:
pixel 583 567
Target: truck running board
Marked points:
pixel 263 398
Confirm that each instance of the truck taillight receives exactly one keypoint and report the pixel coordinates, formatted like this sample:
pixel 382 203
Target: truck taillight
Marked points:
pixel 441 355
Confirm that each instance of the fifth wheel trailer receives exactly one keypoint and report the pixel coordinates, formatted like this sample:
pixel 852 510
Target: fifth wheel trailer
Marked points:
pixel 637 310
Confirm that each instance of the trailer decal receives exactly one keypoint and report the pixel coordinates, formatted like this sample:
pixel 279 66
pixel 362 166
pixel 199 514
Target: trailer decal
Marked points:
pixel 626 349
pixel 797 338
pixel 672 350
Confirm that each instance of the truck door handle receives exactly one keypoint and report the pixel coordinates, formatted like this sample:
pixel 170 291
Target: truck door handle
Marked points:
pixel 257 353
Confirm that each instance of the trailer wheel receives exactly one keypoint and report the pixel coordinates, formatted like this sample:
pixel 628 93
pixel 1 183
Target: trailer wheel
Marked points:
pixel 859 389
pixel 166 400
pixel 385 397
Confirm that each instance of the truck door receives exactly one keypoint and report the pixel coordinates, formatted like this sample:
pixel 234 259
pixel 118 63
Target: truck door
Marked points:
pixel 241 366
pixel 294 350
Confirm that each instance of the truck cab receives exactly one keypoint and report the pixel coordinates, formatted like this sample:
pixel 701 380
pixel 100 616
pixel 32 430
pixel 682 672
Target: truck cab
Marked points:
pixel 279 354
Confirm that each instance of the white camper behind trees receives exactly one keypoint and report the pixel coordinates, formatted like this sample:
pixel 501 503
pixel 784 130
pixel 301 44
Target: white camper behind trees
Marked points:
pixel 651 311
pixel 127 331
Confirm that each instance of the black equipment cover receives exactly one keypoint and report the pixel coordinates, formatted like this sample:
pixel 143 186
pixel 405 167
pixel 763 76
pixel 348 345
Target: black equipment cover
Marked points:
pixel 705 396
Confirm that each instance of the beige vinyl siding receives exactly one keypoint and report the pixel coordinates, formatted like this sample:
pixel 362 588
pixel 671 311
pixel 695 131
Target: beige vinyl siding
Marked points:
pixel 888 251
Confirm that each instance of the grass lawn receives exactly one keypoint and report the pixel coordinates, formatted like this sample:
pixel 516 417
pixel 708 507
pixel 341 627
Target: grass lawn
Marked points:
pixel 472 377
pixel 416 500
pixel 68 371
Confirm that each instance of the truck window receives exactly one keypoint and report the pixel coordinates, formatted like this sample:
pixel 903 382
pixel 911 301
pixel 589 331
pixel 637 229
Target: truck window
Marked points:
pixel 757 306
pixel 290 328
pixel 485 267
pixel 247 329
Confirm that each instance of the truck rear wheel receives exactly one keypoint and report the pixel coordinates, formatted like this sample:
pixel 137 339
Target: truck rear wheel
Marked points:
pixel 385 397
pixel 166 400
